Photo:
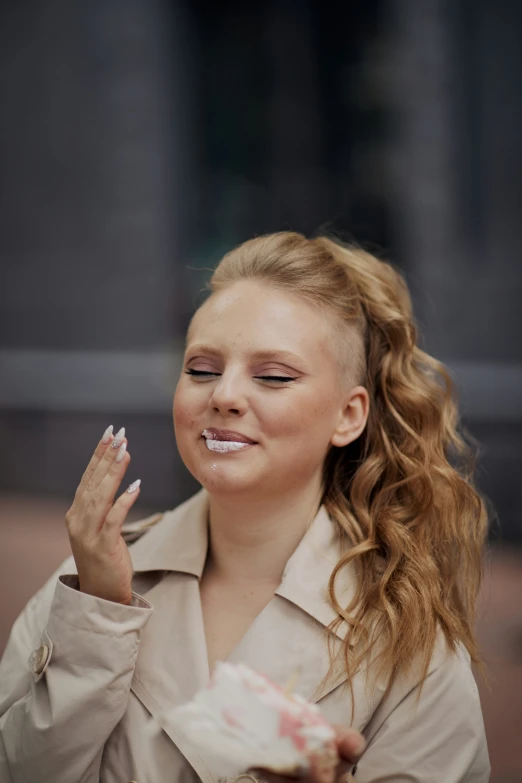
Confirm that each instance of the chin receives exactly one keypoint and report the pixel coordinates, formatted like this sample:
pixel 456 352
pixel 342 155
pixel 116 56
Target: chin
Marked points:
pixel 222 481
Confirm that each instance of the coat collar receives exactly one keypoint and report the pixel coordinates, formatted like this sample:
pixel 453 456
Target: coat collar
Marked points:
pixel 179 540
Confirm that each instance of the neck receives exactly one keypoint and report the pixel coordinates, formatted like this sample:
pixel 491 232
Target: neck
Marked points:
pixel 252 542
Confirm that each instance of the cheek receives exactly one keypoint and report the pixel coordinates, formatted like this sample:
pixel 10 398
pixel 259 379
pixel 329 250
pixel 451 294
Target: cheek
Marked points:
pixel 177 405
pixel 183 407
pixel 305 418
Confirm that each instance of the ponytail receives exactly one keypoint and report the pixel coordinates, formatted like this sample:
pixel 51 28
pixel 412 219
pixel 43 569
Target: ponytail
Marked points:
pixel 415 521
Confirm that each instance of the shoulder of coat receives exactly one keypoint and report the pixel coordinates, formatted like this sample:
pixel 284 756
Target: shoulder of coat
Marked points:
pixel 132 531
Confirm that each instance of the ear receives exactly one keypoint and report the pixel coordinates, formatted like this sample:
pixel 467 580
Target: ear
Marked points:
pixel 352 417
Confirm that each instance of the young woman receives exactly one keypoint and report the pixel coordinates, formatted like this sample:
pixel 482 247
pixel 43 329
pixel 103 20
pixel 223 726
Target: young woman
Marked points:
pixel 336 530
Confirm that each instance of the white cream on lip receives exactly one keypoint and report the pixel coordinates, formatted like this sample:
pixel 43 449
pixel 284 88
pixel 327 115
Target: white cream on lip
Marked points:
pixel 224 446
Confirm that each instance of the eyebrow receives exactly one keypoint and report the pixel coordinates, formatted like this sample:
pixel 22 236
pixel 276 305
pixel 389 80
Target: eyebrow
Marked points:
pixel 259 355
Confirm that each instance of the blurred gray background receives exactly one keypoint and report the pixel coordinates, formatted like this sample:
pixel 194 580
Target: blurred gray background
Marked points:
pixel 141 139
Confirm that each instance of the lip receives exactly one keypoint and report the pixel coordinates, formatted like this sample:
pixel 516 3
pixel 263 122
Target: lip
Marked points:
pixel 230 435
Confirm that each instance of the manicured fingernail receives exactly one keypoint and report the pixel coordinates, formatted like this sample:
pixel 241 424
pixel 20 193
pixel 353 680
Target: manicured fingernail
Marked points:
pixel 118 438
pixel 121 452
pixel 134 486
pixel 107 435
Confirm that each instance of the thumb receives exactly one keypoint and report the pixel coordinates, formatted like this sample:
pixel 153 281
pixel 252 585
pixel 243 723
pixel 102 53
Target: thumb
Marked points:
pixel 350 744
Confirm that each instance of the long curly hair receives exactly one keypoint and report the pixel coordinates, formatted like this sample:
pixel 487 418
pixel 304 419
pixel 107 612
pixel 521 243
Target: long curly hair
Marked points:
pixel 402 494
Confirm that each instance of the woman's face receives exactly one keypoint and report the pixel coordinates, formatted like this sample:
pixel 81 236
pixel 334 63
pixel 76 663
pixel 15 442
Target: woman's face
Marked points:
pixel 289 403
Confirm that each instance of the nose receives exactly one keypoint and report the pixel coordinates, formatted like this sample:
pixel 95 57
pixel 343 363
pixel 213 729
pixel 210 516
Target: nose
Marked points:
pixel 229 394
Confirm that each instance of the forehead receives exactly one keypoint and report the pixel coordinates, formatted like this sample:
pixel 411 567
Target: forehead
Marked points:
pixel 253 316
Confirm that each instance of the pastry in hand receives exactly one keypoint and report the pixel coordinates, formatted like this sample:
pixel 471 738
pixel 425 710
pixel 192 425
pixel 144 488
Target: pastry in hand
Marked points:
pixel 242 720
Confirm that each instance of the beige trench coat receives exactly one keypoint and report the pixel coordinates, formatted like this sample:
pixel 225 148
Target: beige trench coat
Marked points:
pixel 86 684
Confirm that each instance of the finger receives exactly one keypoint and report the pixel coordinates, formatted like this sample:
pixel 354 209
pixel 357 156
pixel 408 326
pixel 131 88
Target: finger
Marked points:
pixel 324 767
pixel 273 777
pixel 96 504
pixel 319 772
pixel 97 456
pixel 114 454
pixel 342 774
pixel 109 456
pixel 102 461
pixel 111 529
pixel 350 743
pixel 344 771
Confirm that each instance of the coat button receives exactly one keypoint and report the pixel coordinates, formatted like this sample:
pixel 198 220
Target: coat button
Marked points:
pixel 245 778
pixel 40 658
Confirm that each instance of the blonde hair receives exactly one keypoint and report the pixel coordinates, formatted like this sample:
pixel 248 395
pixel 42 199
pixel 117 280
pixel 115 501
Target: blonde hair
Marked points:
pixel 402 494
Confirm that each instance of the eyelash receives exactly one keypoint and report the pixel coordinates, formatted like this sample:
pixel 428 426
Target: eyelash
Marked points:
pixel 280 378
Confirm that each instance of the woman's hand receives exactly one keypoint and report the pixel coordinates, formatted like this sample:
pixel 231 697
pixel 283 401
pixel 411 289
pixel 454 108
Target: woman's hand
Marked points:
pixel 350 745
pixel 94 522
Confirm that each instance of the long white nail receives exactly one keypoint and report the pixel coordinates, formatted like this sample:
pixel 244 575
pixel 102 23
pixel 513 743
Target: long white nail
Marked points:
pixel 121 452
pixel 107 435
pixel 134 486
pixel 118 438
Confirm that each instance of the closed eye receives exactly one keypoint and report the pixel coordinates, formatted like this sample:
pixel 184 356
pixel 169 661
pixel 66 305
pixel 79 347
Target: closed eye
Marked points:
pixel 282 378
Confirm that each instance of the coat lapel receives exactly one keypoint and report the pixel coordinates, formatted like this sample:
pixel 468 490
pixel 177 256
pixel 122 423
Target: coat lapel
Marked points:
pixel 172 664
